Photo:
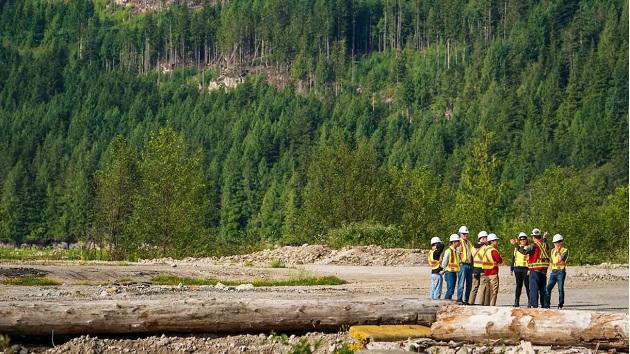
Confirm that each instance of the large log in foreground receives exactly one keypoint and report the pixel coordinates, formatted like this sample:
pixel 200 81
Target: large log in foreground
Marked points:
pixel 209 316
pixel 539 326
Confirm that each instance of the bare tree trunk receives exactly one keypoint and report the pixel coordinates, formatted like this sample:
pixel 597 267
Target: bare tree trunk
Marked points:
pixel 539 326
pixel 209 316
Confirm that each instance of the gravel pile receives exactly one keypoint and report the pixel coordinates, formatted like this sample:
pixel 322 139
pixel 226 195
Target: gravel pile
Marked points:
pixel 428 345
pixel 262 343
pixel 22 272
pixel 600 277
pixel 315 254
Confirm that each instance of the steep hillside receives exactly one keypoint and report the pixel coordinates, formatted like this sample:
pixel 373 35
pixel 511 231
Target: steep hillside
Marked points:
pixel 344 122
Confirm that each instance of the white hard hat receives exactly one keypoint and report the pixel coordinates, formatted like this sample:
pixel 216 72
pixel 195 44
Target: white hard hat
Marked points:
pixel 463 229
pixel 522 235
pixel 482 234
pixel 536 232
pixel 454 237
pixel 557 238
pixel 435 240
pixel 492 237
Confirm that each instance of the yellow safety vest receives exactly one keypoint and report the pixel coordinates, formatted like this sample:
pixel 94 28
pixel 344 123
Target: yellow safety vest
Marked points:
pixel 478 254
pixel 543 258
pixel 464 252
pixel 432 262
pixel 556 260
pixel 520 260
pixel 453 261
pixel 488 261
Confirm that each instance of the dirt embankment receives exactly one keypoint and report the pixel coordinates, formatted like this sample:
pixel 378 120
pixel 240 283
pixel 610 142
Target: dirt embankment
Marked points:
pixel 315 254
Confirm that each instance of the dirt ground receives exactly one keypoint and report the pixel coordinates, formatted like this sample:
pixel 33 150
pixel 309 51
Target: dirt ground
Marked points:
pixel 600 288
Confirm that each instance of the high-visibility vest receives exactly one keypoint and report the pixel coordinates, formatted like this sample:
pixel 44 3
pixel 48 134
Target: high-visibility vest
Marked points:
pixel 556 259
pixel 435 264
pixel 520 260
pixel 478 254
pixel 488 261
pixel 463 255
pixel 453 261
pixel 543 258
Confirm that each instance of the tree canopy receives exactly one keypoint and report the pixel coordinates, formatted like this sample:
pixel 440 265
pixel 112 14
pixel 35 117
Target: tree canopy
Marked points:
pixel 382 120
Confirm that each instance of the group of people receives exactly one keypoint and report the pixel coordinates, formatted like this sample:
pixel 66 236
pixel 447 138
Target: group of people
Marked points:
pixel 473 268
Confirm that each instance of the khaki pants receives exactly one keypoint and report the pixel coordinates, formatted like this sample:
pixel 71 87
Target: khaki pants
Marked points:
pixel 475 287
pixel 484 290
pixel 493 287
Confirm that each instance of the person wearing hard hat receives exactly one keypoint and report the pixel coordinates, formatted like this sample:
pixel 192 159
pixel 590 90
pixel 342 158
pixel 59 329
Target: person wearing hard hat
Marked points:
pixel 492 257
pixel 450 263
pixel 478 253
pixel 465 275
pixel 537 263
pixel 520 271
pixel 559 256
pixel 435 261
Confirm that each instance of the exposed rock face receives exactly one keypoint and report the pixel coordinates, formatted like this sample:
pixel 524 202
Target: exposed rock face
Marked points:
pixel 140 6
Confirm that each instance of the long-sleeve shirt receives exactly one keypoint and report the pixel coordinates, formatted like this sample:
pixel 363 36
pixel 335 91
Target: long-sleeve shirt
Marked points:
pixel 496 257
pixel 465 250
pixel 439 248
pixel 533 250
pixel 477 270
pixel 514 268
pixel 447 255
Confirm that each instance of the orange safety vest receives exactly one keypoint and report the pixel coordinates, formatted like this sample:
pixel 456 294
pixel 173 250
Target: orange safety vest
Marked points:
pixel 435 264
pixel 556 259
pixel 453 261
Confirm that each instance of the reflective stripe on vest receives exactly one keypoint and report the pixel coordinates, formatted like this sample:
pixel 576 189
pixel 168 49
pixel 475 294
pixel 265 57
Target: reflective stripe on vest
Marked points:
pixel 556 259
pixel 520 260
pixel 488 261
pixel 478 254
pixel 432 262
pixel 543 257
pixel 465 246
pixel 453 261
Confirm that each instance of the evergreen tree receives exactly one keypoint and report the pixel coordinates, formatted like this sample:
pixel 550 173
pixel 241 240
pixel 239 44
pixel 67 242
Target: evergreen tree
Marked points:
pixel 116 184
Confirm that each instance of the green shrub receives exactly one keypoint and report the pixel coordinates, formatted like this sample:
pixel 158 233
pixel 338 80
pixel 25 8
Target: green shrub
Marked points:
pixel 276 263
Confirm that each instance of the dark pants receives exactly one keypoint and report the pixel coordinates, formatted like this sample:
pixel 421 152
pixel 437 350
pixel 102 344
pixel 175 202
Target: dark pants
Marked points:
pixel 464 277
pixel 521 279
pixel 556 277
pixel 451 279
pixel 537 289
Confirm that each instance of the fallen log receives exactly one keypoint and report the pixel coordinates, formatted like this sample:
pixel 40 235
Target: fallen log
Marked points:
pixel 208 316
pixel 539 326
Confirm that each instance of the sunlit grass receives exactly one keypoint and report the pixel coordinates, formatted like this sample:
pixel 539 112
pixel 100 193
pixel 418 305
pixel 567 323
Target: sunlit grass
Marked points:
pixel 30 280
pixel 168 279
pixel 52 254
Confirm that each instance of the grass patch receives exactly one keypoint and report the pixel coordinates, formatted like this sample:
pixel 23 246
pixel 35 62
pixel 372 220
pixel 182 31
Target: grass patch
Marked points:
pixel 168 279
pixel 276 263
pixel 50 254
pixel 30 280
